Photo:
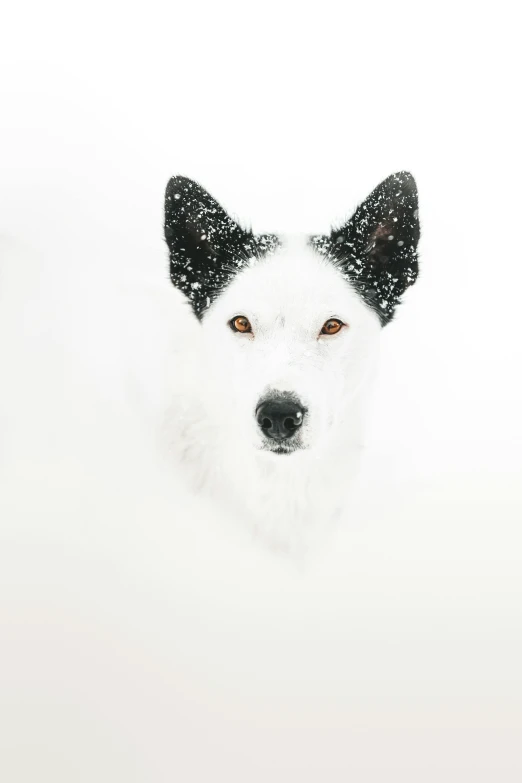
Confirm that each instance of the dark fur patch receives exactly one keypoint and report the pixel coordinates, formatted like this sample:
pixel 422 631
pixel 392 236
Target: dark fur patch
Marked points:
pixel 207 248
pixel 377 248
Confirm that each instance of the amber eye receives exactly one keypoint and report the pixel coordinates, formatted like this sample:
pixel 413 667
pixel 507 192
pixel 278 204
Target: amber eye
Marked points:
pixel 332 326
pixel 240 324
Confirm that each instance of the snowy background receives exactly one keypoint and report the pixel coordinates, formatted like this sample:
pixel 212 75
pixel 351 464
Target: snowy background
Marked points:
pixel 143 637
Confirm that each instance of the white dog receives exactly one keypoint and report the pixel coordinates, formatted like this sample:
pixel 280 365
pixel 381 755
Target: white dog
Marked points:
pixel 289 332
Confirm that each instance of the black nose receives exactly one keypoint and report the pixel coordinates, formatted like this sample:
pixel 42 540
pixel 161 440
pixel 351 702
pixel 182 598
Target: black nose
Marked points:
pixel 280 417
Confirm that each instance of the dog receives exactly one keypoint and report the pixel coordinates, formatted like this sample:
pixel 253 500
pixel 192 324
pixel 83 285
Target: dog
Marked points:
pixel 289 331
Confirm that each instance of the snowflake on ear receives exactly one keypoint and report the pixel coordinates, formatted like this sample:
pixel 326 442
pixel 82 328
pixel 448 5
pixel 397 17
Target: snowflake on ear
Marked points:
pixel 207 247
pixel 376 250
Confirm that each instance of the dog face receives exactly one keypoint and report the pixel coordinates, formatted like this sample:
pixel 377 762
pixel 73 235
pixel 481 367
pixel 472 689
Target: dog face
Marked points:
pixel 291 343
pixel 290 325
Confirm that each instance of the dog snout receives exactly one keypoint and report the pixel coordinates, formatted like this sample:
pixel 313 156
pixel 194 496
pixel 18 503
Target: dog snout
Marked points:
pixel 280 417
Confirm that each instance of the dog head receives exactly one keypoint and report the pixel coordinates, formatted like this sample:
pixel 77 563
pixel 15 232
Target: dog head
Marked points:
pixel 291 324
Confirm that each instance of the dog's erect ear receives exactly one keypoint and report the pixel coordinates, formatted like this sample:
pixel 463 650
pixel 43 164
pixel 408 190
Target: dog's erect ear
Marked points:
pixel 207 248
pixel 377 248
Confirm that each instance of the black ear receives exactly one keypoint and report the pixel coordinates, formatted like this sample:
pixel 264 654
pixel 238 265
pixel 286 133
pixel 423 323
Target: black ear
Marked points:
pixel 207 248
pixel 377 248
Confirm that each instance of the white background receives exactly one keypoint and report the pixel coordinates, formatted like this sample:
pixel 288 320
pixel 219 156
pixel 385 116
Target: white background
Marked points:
pixel 143 637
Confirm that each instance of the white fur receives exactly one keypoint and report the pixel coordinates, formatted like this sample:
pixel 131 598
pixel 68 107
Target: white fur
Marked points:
pixel 287 498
